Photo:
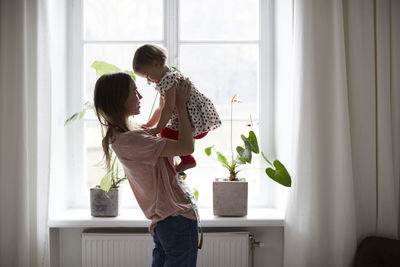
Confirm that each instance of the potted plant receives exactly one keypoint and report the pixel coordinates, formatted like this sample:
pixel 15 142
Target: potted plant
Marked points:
pixel 104 198
pixel 230 195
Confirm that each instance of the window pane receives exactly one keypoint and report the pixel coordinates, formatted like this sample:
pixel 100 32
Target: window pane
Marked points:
pixel 219 20
pixel 121 56
pixel 221 71
pixel 94 153
pixel 123 19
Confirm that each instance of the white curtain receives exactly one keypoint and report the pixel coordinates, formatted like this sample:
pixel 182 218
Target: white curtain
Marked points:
pixel 25 133
pixel 346 174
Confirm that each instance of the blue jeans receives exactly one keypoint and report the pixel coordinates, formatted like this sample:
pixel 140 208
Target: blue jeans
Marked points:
pixel 175 239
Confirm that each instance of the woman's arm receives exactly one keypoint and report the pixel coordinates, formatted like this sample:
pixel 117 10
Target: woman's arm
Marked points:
pixel 156 114
pixel 166 111
pixel 184 145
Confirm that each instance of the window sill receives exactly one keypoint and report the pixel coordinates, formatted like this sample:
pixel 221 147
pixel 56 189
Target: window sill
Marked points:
pixel 81 218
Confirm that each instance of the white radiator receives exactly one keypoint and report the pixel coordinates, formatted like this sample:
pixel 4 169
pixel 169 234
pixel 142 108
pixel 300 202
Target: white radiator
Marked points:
pixel 135 250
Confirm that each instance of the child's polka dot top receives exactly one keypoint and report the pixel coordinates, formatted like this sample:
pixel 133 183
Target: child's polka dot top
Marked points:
pixel 202 113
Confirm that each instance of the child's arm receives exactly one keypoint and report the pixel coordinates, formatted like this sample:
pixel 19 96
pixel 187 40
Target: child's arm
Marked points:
pixel 166 112
pixel 156 115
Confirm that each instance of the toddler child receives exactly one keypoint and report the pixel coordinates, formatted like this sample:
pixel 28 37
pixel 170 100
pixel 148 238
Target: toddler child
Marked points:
pixel 149 62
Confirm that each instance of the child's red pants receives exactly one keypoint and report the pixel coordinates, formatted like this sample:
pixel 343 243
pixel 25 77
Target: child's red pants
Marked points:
pixel 171 134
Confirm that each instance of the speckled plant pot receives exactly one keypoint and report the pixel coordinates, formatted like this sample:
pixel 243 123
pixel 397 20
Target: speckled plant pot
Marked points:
pixel 230 198
pixel 102 203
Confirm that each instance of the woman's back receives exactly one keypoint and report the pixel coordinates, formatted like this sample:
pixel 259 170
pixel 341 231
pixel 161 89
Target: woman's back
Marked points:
pixel 159 191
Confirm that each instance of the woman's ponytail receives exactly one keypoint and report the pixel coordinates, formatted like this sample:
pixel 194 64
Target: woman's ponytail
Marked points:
pixel 106 147
pixel 110 93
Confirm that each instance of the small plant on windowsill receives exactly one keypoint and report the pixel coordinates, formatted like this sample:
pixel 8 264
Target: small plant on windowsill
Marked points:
pixel 111 179
pixel 276 171
pixel 104 198
pixel 230 195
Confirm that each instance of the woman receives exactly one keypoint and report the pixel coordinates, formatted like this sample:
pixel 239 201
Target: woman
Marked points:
pixel 147 160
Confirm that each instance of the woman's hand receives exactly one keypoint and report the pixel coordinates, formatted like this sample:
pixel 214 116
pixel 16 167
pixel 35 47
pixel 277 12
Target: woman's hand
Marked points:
pixel 184 145
pixel 153 131
pixel 183 92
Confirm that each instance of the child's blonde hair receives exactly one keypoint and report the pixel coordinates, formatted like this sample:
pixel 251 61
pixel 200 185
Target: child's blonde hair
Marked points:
pixel 145 55
pixel 110 94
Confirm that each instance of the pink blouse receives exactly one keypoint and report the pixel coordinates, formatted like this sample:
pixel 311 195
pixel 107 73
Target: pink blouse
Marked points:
pixel 158 189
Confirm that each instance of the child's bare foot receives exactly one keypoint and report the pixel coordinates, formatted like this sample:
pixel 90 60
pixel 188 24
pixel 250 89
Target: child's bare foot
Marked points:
pixel 183 167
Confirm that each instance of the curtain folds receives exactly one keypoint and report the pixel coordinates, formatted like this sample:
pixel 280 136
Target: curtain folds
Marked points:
pixel 25 133
pixel 346 178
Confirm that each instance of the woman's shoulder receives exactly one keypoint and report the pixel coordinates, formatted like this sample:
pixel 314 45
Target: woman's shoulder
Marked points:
pixel 129 136
pixel 136 137
pixel 138 146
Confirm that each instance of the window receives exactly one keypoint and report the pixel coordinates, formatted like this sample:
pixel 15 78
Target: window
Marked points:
pixel 220 45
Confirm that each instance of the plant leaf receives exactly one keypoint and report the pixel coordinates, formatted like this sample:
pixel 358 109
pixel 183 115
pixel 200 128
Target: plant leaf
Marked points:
pixel 105 182
pixel 88 105
pixel 239 159
pixel 222 159
pixel 115 178
pixel 247 153
pixel 280 174
pixel 253 142
pixel 102 67
pixel 112 167
pixel 244 138
pixel 175 68
pixel 196 194
pixel 72 118
pixel 82 113
pixel 208 150
pixel 240 151
pixel 132 75
pixel 119 180
pixel 79 115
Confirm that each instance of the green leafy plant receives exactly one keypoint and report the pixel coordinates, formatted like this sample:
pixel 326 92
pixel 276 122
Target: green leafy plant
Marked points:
pixel 112 178
pixel 276 171
pixel 196 194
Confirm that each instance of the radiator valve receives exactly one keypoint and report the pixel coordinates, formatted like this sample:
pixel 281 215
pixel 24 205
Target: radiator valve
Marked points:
pixel 255 243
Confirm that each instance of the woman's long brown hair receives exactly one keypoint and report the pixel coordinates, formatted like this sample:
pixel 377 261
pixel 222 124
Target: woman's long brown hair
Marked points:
pixel 110 93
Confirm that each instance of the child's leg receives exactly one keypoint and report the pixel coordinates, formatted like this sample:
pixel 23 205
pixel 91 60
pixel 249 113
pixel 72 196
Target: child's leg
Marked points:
pixel 200 135
pixel 169 133
pixel 188 161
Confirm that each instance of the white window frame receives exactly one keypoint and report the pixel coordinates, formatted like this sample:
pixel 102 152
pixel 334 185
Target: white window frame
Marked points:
pixel 75 85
